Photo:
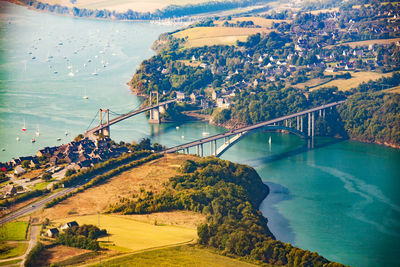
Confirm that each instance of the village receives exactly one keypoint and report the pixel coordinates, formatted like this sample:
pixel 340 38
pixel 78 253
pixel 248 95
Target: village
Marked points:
pixel 51 164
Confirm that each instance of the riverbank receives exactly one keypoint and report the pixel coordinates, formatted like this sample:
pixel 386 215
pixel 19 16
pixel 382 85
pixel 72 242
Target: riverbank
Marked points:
pixel 171 12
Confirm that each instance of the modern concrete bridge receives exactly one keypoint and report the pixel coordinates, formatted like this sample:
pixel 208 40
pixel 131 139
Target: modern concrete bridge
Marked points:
pixel 293 123
pixel 104 128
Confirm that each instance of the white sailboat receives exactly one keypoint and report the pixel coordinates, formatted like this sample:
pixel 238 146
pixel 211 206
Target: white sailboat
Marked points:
pixel 269 141
pixel 37 131
pixel 85 95
pixel 95 71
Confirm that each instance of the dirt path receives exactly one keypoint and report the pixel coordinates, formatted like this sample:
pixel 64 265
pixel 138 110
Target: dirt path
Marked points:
pixel 31 244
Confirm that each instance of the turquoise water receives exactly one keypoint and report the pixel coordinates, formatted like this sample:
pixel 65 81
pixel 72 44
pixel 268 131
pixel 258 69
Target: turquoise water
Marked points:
pixel 339 198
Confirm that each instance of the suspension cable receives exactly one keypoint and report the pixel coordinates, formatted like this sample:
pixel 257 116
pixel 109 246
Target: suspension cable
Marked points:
pixel 93 120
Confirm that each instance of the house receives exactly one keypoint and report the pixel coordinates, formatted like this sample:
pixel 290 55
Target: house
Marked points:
pixel 223 102
pixel 53 161
pixel 9 190
pixel 52 232
pixel 19 170
pixel 215 94
pixel 180 96
pixel 69 225
pixel 33 163
pixel 193 97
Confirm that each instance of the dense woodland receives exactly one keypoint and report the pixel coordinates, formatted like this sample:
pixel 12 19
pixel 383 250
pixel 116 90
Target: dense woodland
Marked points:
pixel 229 194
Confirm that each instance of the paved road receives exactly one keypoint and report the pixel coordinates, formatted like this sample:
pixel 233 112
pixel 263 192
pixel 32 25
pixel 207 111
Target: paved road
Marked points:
pixel 248 128
pixel 35 206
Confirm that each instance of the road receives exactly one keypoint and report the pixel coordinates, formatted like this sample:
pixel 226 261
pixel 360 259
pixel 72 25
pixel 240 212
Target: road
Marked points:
pixel 35 206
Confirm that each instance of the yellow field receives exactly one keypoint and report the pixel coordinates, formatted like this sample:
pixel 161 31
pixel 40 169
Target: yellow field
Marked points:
pixel 263 22
pixel 124 5
pixel 135 235
pixel 356 79
pixel 393 90
pixel 178 256
pixel 201 36
pixel 368 42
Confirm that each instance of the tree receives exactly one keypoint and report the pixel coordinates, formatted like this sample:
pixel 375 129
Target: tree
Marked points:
pixel 69 172
pixel 25 164
pixel 46 176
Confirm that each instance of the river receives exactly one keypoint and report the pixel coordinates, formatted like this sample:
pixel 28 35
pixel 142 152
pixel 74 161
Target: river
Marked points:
pixel 339 198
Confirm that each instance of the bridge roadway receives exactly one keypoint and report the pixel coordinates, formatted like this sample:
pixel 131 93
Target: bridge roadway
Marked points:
pixel 248 128
pixel 125 116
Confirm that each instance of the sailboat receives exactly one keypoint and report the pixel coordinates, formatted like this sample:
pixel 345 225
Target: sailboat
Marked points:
pixel 37 131
pixel 269 141
pixel 85 96
pixel 71 73
pixel 24 128
pixel 95 71
pixel 33 140
pixel 17 138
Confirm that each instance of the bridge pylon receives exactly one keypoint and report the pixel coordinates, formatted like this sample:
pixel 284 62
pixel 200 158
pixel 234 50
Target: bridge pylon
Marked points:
pixel 105 131
pixel 154 112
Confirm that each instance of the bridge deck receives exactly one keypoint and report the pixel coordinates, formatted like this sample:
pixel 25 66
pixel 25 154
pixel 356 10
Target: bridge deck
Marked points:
pixel 248 128
pixel 125 116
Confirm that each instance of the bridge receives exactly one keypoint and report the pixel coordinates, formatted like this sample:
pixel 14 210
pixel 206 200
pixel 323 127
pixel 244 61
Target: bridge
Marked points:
pixel 104 128
pixel 294 123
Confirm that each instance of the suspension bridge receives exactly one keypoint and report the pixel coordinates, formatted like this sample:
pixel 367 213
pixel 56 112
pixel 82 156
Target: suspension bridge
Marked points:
pixel 104 127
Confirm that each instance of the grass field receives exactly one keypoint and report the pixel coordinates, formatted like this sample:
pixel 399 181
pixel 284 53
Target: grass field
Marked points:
pixel 40 186
pixel 393 90
pixel 13 231
pixel 186 255
pixel 10 263
pixel 149 177
pixel 356 79
pixel 124 5
pixel 367 42
pixel 134 235
pixel 201 36
pixel 263 22
pixel 12 250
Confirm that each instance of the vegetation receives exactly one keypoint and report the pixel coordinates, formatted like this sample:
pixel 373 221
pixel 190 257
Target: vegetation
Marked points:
pixel 229 194
pixel 84 237
pixel 179 256
pixel 373 117
pixel 34 255
pixel 13 231
pixel 12 250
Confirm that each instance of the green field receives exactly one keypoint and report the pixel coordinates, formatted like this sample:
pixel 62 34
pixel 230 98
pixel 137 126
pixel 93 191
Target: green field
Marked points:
pixel 41 186
pixel 12 250
pixel 13 231
pixel 187 255
pixel 135 235
pixel 10 263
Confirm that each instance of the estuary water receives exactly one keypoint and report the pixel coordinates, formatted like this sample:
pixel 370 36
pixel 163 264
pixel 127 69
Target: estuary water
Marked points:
pixel 339 198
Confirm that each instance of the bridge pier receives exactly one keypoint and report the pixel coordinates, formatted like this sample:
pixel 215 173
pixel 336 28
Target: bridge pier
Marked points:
pixel 154 116
pixel 309 125
pixel 211 148
pixel 301 123
pixel 201 147
pixel 323 113
pixel 312 124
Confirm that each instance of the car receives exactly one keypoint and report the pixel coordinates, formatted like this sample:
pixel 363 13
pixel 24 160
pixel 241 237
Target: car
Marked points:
pixel 32 206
